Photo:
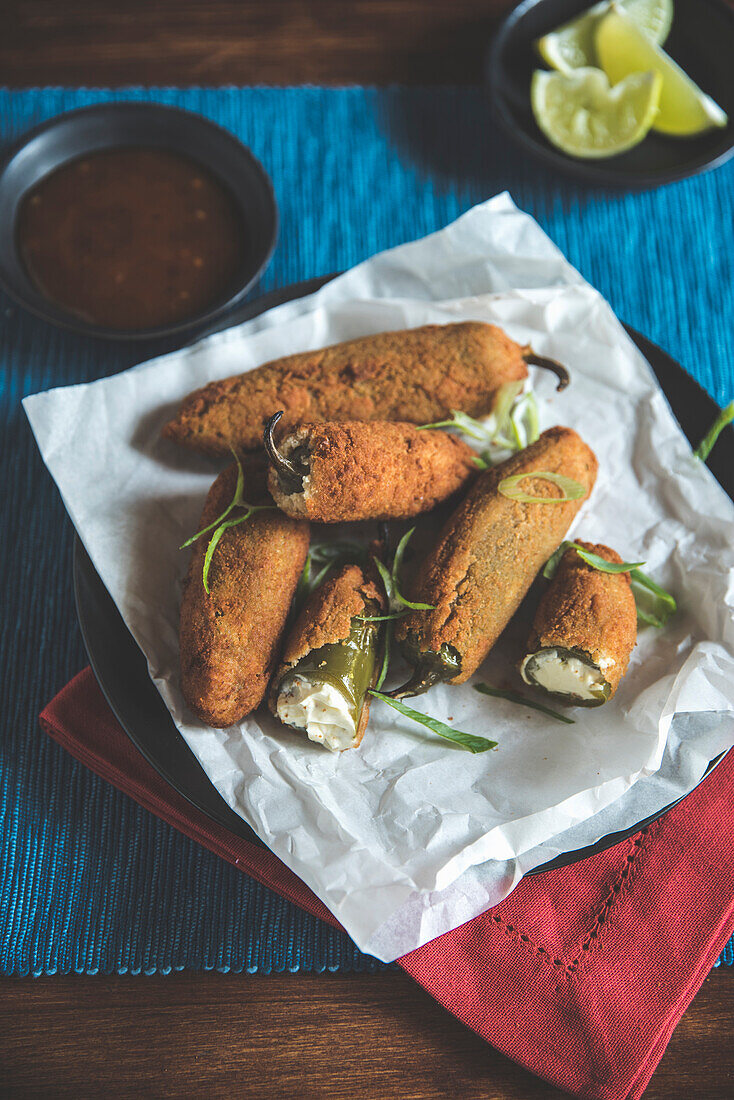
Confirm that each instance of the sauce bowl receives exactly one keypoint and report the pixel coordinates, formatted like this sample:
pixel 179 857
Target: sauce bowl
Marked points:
pixel 109 126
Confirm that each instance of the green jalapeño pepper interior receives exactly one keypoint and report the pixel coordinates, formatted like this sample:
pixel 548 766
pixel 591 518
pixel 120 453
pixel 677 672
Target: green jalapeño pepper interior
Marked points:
pixel 568 674
pixel 324 693
pixel 429 668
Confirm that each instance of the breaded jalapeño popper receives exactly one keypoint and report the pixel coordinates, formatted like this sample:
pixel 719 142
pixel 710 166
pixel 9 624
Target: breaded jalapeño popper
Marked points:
pixel 343 472
pixel 416 375
pixel 584 631
pixel 487 556
pixel 229 634
pixel 330 661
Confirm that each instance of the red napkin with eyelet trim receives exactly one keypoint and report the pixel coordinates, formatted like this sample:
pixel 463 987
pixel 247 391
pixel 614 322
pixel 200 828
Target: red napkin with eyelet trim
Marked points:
pixel 580 975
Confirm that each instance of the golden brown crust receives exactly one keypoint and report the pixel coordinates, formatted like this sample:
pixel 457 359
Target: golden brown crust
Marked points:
pixel 588 610
pixel 325 618
pixel 327 614
pixel 229 638
pixel 491 549
pixel 414 375
pixel 382 470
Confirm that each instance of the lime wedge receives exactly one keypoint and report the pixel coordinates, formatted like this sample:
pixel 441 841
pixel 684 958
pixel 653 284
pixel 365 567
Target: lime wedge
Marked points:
pixel 571 46
pixel 581 114
pixel 623 49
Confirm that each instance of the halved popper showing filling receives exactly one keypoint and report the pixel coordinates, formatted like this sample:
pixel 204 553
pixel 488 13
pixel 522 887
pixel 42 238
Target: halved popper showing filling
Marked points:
pixel 584 631
pixel 488 554
pixel 343 472
pixel 330 660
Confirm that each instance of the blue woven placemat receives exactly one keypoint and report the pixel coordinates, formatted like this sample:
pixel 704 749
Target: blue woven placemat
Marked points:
pixel 89 882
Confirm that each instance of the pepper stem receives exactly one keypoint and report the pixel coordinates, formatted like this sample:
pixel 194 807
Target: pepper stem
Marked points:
pixel 291 474
pixel 558 369
pixel 424 677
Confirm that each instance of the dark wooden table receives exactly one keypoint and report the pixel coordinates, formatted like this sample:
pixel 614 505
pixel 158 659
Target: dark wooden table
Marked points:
pixel 215 1035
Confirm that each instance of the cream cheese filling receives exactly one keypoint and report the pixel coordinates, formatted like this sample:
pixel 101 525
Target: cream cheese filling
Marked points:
pixel 319 709
pixel 563 675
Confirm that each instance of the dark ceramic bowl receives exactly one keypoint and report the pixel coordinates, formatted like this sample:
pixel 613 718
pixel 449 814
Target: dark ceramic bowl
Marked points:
pixel 701 40
pixel 115 125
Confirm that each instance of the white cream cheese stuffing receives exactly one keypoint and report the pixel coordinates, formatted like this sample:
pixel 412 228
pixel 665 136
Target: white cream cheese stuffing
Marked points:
pixel 319 709
pixel 564 675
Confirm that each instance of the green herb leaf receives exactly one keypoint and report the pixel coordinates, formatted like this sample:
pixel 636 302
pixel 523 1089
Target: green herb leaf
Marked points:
pixel 605 566
pixel 391 578
pixel 510 488
pixel 329 555
pixel 551 566
pixel 236 501
pixel 525 421
pixel 502 432
pixel 339 552
pixel 482 461
pixel 594 560
pixel 220 531
pixel 381 618
pixel 387 645
pixel 654 604
pixel 509 428
pixel 513 697
pixel 386 578
pixel 221 523
pixel 462 423
pixel 703 450
pixel 464 740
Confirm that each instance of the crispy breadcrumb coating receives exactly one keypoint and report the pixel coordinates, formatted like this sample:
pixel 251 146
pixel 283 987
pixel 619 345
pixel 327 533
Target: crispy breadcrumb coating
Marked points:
pixel 490 551
pixel 381 470
pixel 415 375
pixel 588 610
pixel 229 638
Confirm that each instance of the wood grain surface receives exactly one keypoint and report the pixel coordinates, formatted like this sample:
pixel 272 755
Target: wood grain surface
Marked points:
pixel 312 1036
pixel 215 1035
pixel 244 41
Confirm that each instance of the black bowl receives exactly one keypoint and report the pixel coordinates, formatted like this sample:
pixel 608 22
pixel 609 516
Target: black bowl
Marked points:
pixel 701 41
pixel 115 125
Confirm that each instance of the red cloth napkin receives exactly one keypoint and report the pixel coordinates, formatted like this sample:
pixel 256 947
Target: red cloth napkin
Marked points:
pixel 581 975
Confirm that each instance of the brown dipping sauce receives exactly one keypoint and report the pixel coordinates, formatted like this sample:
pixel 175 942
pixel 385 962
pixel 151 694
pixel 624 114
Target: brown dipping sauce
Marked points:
pixel 131 239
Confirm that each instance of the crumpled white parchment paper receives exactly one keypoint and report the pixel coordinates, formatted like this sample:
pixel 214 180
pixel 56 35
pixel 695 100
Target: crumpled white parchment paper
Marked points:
pixel 408 836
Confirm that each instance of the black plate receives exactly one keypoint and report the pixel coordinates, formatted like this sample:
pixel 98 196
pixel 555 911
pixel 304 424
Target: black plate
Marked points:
pixel 701 40
pixel 122 672
pixel 115 125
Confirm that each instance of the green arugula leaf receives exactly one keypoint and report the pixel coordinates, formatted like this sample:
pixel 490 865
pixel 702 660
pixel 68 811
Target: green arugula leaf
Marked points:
pixel 513 697
pixel 464 740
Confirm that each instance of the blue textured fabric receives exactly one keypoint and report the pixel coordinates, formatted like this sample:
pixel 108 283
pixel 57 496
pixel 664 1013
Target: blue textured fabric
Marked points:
pixel 89 882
